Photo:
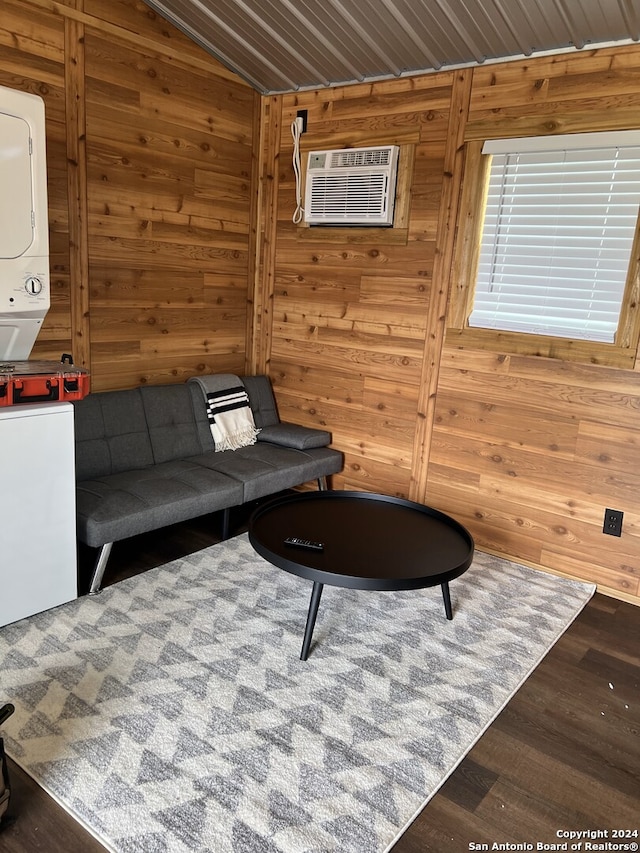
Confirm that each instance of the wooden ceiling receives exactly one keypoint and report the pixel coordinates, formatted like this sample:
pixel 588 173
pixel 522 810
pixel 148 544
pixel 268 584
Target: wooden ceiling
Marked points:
pixel 288 45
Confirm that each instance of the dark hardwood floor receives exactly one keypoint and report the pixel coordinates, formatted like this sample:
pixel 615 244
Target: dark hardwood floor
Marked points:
pixel 562 756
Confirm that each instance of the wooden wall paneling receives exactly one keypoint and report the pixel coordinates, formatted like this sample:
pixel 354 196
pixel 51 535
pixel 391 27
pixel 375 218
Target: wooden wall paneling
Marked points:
pixel 569 93
pixel 530 535
pixel 620 581
pixel 253 272
pixel 549 446
pixel 592 352
pixel 474 416
pixel 135 23
pixel 57 335
pixel 125 365
pixel 32 44
pixel 157 192
pixel 529 451
pixel 169 174
pixel 376 444
pixel 434 338
pixel 139 21
pixel 265 202
pixel 351 305
pixel 328 396
pixel 382 393
pixel 339 351
pixel 77 193
pixel 426 192
pixel 393 110
pixel 629 324
pixel 384 290
pixel 343 253
pixel 464 263
pixel 299 280
pixel 366 474
pixel 404 185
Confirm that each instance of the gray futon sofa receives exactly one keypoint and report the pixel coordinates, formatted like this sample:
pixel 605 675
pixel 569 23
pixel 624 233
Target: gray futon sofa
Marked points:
pixel 145 458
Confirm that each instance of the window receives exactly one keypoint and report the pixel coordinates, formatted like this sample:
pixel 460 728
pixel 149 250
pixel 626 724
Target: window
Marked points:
pixel 557 253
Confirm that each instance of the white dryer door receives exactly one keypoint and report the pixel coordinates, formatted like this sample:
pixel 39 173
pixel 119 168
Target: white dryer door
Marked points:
pixel 16 187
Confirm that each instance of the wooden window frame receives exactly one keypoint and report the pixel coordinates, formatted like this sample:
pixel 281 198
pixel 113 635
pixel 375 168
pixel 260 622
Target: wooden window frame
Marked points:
pixel 621 353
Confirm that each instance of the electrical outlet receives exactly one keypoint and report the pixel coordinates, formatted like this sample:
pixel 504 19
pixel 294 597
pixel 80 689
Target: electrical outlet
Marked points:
pixel 303 115
pixel 613 522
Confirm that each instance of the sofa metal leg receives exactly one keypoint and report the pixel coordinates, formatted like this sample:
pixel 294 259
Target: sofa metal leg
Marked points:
pixel 322 484
pixel 98 572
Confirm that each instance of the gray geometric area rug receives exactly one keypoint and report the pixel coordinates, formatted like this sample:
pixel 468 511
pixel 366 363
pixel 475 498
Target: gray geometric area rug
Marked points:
pixel 171 713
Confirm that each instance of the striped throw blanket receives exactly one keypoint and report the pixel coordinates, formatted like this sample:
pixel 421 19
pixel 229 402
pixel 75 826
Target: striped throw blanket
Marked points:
pixel 230 416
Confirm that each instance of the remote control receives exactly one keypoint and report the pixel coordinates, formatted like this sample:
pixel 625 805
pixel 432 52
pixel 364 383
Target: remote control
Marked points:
pixel 295 542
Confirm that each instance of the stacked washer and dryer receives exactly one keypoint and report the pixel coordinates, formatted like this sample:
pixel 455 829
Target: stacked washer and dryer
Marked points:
pixel 37 479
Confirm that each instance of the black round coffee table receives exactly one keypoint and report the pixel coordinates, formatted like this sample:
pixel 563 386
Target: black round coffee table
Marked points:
pixel 368 541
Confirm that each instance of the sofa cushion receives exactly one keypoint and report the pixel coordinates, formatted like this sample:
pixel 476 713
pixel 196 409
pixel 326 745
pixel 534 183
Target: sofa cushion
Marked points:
pixel 262 401
pixel 264 469
pixel 171 421
pixel 111 434
pixel 112 508
pixel 295 436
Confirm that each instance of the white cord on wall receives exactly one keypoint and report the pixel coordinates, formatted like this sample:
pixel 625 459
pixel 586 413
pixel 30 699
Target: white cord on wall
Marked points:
pixel 296 132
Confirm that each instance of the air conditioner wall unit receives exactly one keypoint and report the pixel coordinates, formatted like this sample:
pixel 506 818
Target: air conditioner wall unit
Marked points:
pixel 351 186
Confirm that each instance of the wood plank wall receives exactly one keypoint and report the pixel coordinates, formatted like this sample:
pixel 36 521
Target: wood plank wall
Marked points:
pixel 349 309
pixel 527 452
pixel 171 194
pixel 151 181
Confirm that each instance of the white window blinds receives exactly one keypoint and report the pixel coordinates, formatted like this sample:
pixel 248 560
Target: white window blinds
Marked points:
pixel 558 232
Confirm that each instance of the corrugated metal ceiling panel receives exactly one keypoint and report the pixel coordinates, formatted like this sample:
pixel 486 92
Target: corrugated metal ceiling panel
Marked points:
pixel 287 45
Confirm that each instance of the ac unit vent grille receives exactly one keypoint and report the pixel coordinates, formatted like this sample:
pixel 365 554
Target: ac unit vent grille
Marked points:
pixel 349 195
pixel 352 158
pixel 351 186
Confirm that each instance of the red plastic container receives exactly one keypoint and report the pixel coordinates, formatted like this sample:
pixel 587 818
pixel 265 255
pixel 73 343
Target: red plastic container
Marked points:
pixel 41 382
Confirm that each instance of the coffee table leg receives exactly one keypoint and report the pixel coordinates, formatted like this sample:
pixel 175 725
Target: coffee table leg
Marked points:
pixel 447 600
pixel 316 592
